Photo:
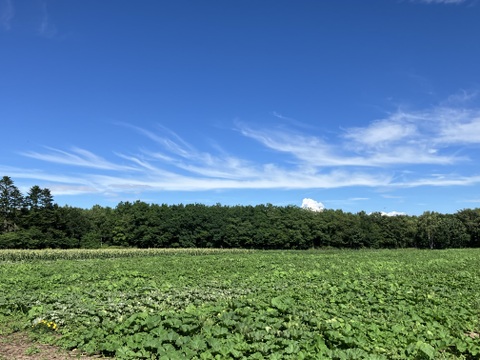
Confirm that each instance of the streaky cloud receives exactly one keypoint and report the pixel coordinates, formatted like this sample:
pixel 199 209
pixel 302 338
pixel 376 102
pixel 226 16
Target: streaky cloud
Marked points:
pixel 46 28
pixel 459 127
pixel 281 180
pixel 440 180
pixel 170 141
pixel 306 149
pixel 380 155
pixel 382 133
pixel 77 157
pixel 36 174
pixel 372 146
pixel 7 12
pixel 461 97
pixel 59 190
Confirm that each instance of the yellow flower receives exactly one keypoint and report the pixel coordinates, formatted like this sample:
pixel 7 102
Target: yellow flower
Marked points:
pixel 48 324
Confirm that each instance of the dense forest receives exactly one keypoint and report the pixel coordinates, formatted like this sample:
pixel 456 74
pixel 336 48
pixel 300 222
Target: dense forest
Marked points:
pixel 34 221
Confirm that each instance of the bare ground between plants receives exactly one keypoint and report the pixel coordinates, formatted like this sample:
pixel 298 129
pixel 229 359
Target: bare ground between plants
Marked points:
pixel 18 346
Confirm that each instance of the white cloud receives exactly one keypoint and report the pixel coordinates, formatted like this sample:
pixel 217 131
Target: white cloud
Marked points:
pixel 35 174
pixel 417 137
pixel 312 205
pixel 386 196
pixel 382 133
pixel 281 117
pixel 379 154
pixel 57 189
pixel 77 157
pixel 471 201
pixel 306 149
pixel 392 213
pixel 439 180
pixel 7 12
pixel 391 141
pixel 458 127
pixel 270 178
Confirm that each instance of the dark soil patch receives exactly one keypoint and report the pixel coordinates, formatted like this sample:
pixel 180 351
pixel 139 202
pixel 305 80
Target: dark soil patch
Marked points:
pixel 19 346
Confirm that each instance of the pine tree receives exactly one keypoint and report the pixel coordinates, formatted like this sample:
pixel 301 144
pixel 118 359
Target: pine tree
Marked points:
pixel 11 203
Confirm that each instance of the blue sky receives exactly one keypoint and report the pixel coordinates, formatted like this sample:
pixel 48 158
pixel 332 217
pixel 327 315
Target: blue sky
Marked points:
pixel 359 105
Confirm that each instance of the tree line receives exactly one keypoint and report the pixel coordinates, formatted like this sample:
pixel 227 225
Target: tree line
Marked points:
pixel 34 221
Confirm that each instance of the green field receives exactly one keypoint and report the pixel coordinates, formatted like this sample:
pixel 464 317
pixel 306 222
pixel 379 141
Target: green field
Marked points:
pixel 193 304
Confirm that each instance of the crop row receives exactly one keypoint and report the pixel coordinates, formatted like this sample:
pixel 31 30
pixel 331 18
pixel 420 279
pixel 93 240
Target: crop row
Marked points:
pixel 108 253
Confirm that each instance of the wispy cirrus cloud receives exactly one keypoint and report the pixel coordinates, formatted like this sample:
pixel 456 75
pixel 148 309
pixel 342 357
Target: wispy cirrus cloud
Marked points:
pixel 46 28
pixel 182 155
pixel 59 184
pixel 307 149
pixel 402 138
pixel 440 180
pixel 470 201
pixel 7 12
pixel 268 179
pixel 36 174
pixel 461 98
pixel 418 137
pixel 43 27
pixel 206 171
pixel 458 127
pixel 380 155
pixel 382 133
pixel 76 157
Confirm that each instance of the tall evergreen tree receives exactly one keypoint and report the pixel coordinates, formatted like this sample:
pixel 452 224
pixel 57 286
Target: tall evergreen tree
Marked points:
pixel 11 203
pixel 46 199
pixel 32 200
